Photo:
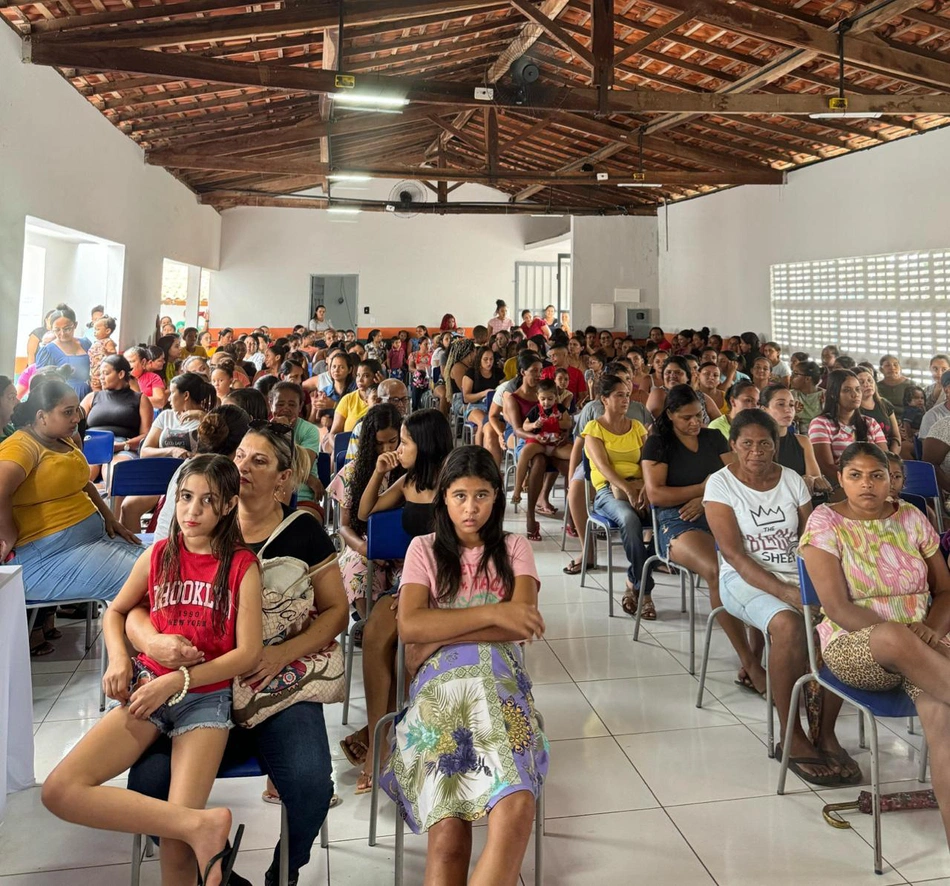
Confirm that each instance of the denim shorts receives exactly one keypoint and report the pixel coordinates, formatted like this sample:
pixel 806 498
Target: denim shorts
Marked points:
pixel 672 525
pixel 752 605
pixel 197 710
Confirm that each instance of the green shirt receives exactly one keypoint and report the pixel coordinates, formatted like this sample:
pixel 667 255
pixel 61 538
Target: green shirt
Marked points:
pixel 722 425
pixel 308 436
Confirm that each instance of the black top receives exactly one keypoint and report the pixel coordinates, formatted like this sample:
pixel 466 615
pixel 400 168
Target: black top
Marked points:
pixel 305 539
pixel 882 415
pixel 790 454
pixel 480 384
pixel 684 467
pixel 116 411
pixel 418 518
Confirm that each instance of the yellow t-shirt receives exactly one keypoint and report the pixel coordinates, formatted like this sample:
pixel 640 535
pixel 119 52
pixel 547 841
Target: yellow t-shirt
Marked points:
pixel 623 450
pixel 52 497
pixel 511 368
pixel 352 407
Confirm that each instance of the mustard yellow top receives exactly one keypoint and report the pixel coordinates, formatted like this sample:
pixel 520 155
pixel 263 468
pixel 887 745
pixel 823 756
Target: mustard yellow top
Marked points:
pixel 352 407
pixel 623 450
pixel 52 497
pixel 511 368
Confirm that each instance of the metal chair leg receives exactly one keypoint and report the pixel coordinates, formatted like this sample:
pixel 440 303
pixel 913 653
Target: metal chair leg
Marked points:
pixel 862 740
pixel 924 753
pixel 400 849
pixel 89 608
pixel 610 577
pixel 374 794
pixel 136 860
pixel 103 659
pixel 692 623
pixel 348 678
pixel 875 791
pixel 584 553
pixel 682 573
pixel 910 726
pixel 284 846
pixel 706 644
pixel 790 730
pixel 643 580
pixel 770 733
pixel 324 835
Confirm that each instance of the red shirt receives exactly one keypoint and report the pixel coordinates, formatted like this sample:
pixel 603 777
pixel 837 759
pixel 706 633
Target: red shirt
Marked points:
pixel 575 381
pixel 537 327
pixel 184 606
pixel 148 382
pixel 664 345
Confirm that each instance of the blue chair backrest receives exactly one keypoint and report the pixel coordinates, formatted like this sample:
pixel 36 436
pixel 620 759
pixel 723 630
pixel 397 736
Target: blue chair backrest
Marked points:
pixel 920 478
pixel 385 537
pixel 248 768
pixel 143 476
pixel 98 447
pixel 323 468
pixel 918 501
pixel 809 595
pixel 488 399
pixel 340 444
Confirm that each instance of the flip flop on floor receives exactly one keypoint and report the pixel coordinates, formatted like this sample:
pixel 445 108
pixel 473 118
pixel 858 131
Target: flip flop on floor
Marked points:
pixel 546 510
pixel 745 682
pixel 795 765
pixel 271 797
pixel 41 649
pixel 534 534
pixel 845 761
pixel 364 784
pixel 574 568
pixel 227 857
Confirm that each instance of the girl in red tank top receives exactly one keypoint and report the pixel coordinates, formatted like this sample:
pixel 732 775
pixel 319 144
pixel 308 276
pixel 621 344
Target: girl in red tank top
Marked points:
pixel 203 589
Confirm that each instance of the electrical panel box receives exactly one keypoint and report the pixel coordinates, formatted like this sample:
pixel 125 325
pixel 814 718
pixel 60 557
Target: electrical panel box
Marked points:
pixel 639 322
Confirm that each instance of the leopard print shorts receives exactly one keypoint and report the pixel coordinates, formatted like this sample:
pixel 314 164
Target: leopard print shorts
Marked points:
pixel 849 658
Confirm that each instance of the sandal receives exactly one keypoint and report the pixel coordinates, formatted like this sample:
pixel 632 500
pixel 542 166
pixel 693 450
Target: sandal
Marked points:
pixel 571 531
pixel 354 749
pixel 744 681
pixel 574 568
pixel 227 857
pixel 629 603
pixel 53 634
pixel 271 797
pixel 795 765
pixel 40 649
pixel 364 784
pixel 335 800
pixel 534 534
pixel 846 763
pixel 546 510
pixel 648 612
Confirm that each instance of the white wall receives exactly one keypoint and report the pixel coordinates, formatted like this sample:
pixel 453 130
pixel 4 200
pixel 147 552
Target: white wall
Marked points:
pixel 61 161
pixel 411 270
pixel 612 253
pixel 715 273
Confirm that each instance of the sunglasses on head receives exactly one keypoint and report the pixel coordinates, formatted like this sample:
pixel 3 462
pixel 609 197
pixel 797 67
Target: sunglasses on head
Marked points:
pixel 275 427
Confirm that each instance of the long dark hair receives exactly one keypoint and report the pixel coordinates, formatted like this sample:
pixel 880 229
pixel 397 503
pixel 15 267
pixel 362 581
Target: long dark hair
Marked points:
pixel 202 392
pixel 252 401
pixel 470 461
pixel 432 435
pixel 836 378
pixel 526 359
pixel 381 417
pixel 677 397
pixel 225 482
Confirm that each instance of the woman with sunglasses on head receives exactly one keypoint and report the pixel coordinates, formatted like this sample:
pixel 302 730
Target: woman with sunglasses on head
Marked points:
pixel 286 401
pixel 66 350
pixel 292 743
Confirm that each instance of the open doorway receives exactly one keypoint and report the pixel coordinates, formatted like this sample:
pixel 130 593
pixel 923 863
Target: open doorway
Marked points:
pixel 186 295
pixel 339 293
pixel 65 266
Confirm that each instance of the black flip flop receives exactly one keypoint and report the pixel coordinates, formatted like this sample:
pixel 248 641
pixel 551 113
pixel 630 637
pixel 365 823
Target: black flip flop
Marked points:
pixel 795 764
pixel 845 759
pixel 227 858
pixel 749 686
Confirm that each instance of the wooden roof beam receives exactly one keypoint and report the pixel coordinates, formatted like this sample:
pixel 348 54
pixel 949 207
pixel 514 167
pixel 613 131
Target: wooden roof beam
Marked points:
pixel 553 30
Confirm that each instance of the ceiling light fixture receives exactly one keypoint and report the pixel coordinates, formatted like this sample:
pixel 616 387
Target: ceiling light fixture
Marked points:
pixel 639 185
pixel 385 104
pixel 547 215
pixel 343 210
pixel 348 177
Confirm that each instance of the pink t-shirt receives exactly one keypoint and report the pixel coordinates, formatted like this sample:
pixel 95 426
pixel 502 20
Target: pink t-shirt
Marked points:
pixel 148 382
pixel 486 587
pixel 822 430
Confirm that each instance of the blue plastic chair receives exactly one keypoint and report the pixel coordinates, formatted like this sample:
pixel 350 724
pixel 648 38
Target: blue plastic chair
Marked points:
pixel 598 523
pixel 249 768
pixel 920 478
pixel 98 447
pixel 918 501
pixel 385 540
pixel 340 444
pixel 870 704
pixel 324 467
pixel 143 476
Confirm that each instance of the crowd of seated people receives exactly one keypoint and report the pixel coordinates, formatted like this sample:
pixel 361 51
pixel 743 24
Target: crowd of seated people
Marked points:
pixel 694 433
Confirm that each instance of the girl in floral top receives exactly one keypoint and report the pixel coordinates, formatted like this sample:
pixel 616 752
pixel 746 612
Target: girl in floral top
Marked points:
pixel 469 745
pixel 876 564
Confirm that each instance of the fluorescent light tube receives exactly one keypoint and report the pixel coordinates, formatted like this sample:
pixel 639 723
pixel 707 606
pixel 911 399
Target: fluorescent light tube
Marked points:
pixel 344 210
pixel 367 99
pixel 348 177
pixel 639 185
pixel 846 115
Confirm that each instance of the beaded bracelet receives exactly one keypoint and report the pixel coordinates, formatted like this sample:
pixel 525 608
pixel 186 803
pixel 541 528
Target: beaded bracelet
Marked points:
pixel 179 696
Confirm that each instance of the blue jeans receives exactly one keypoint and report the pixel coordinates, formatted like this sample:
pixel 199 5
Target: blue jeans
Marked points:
pixel 294 751
pixel 631 530
pixel 78 563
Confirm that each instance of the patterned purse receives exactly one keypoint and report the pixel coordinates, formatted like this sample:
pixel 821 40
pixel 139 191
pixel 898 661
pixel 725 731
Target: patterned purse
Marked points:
pixel 287 604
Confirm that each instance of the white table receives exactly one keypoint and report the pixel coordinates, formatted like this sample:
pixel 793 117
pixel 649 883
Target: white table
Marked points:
pixel 16 688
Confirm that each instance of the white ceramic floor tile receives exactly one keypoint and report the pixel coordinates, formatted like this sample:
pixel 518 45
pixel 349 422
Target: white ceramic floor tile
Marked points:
pixel 914 842
pixel 701 765
pixel 543 665
pixel 722 657
pixel 80 698
pixel 55 739
pixel 611 658
pixel 561 589
pixel 653 705
pixel 593 850
pixel 592 775
pixel 567 713
pixel 46 689
pixel 564 621
pixel 781 841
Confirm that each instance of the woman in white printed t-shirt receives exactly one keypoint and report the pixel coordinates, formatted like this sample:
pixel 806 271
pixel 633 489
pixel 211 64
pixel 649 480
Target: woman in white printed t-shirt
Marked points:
pixel 756 509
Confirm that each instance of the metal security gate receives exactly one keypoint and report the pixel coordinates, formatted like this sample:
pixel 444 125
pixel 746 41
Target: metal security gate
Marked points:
pixel 536 287
pixel 564 279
